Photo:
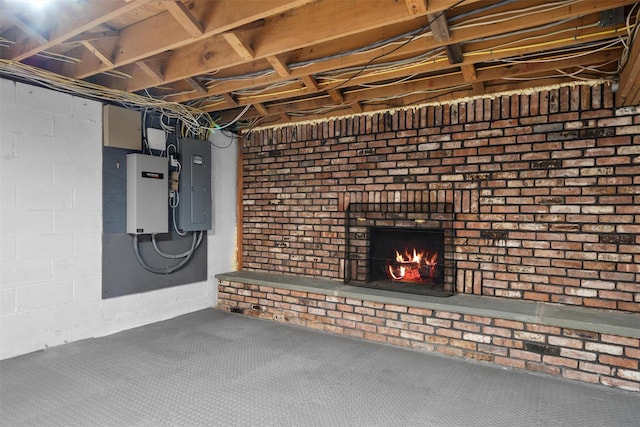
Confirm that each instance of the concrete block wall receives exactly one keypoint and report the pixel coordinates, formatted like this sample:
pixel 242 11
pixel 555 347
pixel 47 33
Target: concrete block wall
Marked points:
pixel 51 225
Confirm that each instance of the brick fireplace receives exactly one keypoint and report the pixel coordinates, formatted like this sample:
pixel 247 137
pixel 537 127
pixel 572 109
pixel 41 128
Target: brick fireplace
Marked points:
pixel 537 199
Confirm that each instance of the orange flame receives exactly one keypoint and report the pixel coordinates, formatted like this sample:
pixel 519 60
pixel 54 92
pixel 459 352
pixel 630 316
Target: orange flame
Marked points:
pixel 407 265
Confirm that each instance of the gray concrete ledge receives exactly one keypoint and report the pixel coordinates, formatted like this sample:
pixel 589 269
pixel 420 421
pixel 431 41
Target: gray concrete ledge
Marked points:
pixel 588 319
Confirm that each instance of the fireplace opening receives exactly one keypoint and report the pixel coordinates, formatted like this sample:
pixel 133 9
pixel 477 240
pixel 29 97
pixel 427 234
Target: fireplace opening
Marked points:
pixel 403 247
pixel 406 259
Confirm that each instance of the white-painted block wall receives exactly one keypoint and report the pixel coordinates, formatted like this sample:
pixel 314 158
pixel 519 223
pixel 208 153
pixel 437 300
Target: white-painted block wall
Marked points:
pixel 51 225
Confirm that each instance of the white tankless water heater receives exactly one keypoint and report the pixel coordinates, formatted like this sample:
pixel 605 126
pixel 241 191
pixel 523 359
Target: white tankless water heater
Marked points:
pixel 147 193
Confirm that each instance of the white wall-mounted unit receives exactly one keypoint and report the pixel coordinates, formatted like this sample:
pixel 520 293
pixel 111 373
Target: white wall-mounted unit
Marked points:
pixel 147 194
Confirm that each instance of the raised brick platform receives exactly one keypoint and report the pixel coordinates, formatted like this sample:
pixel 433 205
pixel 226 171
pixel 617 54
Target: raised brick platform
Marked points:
pixel 584 344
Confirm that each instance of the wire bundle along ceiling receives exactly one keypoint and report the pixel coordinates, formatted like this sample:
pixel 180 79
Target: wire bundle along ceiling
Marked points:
pixel 251 63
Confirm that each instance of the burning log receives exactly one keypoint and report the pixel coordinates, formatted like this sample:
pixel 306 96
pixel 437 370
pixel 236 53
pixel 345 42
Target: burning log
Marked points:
pixel 414 266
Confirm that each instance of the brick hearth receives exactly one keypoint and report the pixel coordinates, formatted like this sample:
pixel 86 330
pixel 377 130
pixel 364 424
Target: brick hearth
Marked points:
pixel 545 190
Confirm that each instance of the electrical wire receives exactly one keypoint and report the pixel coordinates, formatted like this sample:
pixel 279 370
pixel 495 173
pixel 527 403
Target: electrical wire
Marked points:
pixel 172 110
pixel 155 270
pixel 175 256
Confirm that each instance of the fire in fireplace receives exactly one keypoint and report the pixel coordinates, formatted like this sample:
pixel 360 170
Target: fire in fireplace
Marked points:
pixel 406 259
pixel 403 247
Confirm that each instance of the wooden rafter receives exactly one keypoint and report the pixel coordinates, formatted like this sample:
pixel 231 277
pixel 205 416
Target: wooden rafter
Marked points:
pixel 153 71
pixel 433 84
pixel 67 23
pixel 310 83
pixel 240 46
pixel 99 53
pixel 461 35
pixel 329 56
pixel 185 18
pixel 278 65
pixel 27 27
pixel 196 85
pixel 163 32
pixel 295 30
pixel 432 67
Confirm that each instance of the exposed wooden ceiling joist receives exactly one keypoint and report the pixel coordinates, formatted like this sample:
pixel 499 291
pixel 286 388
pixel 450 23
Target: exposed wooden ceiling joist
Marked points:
pixel 297 59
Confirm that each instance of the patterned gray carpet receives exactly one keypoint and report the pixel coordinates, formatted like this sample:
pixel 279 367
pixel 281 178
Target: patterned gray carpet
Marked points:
pixel 215 368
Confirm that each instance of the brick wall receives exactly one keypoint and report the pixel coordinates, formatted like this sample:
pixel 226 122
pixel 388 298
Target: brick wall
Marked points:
pixel 576 354
pixel 546 190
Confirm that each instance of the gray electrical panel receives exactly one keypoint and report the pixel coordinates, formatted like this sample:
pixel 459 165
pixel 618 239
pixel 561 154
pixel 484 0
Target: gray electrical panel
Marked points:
pixel 194 209
pixel 147 194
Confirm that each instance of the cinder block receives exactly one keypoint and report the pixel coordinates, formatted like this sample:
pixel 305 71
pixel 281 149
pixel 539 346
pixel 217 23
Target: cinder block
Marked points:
pixel 77 222
pixel 40 198
pixel 29 298
pixel 32 246
pixel 77 175
pixel 26 121
pixel 87 109
pixel 88 244
pixel 8 143
pixel 87 289
pixel 76 321
pixel 7 94
pixel 86 198
pixel 19 222
pixel 41 99
pixel 75 267
pixel 8 196
pixel 26 171
pixel 40 148
pixel 24 332
pixel 24 272
pixel 7 301
pixel 7 248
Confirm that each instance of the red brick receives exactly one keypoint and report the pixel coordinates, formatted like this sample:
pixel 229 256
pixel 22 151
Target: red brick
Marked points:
pixel 618 361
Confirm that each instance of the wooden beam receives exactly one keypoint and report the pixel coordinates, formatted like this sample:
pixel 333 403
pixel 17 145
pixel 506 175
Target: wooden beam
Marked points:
pixel 441 33
pixel 162 32
pixel 357 107
pixel 281 68
pixel 629 77
pixel 285 117
pixel 478 88
pixel 454 53
pixel 336 96
pixel 99 35
pixel 185 18
pixel 230 99
pixel 153 71
pixel 285 92
pixel 261 109
pixel 442 82
pixel 196 85
pixel 294 31
pixel 242 48
pixel 68 23
pixel 417 7
pixel 469 72
pixel 439 27
pixel 27 27
pixel 310 82
pixel 98 52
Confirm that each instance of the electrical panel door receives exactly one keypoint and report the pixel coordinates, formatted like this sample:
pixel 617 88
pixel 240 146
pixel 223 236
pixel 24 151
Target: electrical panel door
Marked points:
pixel 194 209
pixel 147 194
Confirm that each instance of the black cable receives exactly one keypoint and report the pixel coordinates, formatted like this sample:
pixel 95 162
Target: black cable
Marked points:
pixel 412 38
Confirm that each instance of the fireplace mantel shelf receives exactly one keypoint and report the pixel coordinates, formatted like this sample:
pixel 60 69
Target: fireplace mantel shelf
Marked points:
pixel 588 319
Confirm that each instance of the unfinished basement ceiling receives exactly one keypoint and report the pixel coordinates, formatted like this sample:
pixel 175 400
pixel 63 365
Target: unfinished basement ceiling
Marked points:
pixel 278 61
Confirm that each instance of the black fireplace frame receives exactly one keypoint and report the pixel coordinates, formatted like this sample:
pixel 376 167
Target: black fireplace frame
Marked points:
pixel 360 218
